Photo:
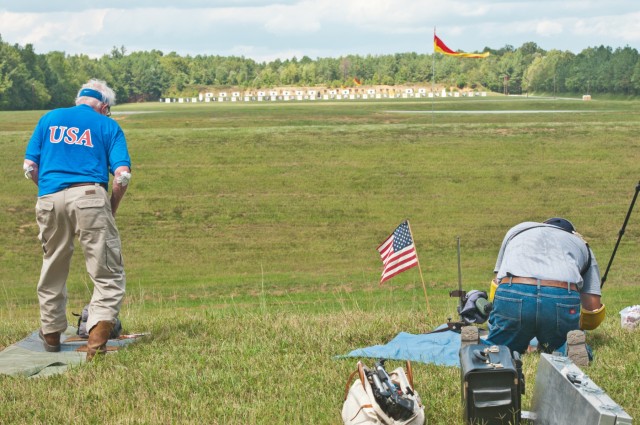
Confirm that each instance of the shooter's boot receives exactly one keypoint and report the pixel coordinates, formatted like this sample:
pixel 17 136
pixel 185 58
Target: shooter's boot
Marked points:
pixel 98 337
pixel 50 341
pixel 577 348
pixel 469 335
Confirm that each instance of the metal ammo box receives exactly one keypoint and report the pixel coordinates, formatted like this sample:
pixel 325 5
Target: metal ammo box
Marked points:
pixel 565 395
pixel 492 385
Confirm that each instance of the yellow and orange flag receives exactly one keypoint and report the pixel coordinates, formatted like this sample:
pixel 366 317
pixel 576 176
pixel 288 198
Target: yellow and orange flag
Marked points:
pixel 440 47
pixel 357 81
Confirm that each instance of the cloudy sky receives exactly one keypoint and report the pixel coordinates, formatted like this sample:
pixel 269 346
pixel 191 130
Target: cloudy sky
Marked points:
pixel 268 29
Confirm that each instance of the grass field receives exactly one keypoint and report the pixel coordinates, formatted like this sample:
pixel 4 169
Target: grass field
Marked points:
pixel 250 232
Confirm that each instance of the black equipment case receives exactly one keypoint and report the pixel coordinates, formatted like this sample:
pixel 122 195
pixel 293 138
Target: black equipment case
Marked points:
pixel 492 384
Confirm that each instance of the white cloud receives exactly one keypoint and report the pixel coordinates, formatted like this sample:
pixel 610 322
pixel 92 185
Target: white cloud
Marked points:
pixel 299 18
pixel 547 28
pixel 624 27
pixel 17 22
pixel 270 28
pixel 52 30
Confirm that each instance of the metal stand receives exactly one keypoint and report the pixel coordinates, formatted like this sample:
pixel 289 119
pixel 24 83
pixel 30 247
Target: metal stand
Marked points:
pixel 620 233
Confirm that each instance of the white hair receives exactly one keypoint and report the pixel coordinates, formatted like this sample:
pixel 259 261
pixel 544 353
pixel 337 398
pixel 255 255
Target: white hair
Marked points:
pixel 108 95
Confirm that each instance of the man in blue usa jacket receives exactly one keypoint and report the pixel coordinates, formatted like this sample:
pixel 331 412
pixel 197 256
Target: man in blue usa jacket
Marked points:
pixel 69 157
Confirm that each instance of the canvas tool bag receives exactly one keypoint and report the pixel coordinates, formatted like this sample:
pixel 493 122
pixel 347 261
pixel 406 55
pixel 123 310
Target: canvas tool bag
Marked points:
pixel 360 406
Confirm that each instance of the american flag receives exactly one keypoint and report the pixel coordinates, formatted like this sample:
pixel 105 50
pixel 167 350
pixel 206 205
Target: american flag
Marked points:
pixel 398 253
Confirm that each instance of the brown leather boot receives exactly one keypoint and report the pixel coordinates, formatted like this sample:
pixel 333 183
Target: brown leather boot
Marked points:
pixel 50 341
pixel 98 337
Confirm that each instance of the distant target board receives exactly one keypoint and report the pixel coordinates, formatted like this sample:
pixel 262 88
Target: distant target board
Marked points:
pixel 344 93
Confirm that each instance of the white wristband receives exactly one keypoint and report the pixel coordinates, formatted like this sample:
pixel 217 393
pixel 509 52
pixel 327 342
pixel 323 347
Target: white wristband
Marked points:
pixel 27 171
pixel 123 178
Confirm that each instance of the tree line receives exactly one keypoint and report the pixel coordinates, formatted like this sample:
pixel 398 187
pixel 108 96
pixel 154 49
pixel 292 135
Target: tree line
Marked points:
pixel 43 81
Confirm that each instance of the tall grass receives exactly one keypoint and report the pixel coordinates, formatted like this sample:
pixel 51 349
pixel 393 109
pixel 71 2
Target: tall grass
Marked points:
pixel 249 234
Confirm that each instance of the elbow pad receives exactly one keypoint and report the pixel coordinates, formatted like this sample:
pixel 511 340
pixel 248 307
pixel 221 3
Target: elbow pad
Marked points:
pixel 590 320
pixel 492 290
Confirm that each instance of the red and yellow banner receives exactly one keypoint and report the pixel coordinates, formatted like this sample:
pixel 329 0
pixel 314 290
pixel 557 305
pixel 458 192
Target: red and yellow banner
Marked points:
pixel 440 47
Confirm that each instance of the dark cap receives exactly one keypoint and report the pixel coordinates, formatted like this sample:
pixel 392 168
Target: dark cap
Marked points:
pixel 563 223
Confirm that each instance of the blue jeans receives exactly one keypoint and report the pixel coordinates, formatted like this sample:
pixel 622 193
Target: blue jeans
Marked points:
pixel 522 312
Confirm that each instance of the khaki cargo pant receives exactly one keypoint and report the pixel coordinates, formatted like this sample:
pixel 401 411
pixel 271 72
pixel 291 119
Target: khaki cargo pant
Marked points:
pixel 85 212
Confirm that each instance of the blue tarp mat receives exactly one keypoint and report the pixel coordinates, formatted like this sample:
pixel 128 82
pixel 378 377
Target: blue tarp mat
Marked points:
pixel 28 357
pixel 440 348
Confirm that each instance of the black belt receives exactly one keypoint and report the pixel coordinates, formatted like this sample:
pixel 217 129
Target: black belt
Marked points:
pixel 104 185
pixel 541 282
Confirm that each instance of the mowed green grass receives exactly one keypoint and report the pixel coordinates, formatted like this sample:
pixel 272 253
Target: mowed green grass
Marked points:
pixel 250 233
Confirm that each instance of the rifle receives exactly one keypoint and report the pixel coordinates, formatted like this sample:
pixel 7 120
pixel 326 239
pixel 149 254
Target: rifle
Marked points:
pixel 458 293
pixel 478 313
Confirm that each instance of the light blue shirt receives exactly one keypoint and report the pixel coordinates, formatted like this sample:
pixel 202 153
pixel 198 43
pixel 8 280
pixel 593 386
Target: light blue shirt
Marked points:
pixel 546 252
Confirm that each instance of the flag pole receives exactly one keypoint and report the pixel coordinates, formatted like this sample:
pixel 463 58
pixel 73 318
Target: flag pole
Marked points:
pixel 433 80
pixel 424 287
